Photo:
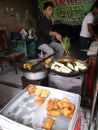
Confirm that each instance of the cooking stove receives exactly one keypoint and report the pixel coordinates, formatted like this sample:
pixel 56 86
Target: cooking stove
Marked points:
pixel 26 82
pixel 72 84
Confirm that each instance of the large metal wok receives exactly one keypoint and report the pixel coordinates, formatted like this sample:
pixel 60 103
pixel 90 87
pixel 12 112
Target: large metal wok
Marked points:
pixel 73 73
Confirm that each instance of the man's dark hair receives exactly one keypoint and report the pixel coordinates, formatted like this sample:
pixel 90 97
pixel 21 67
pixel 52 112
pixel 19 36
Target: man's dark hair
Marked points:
pixel 46 4
pixel 95 5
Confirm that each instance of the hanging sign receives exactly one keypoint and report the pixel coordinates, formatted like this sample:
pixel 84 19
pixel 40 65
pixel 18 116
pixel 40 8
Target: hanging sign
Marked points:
pixel 69 12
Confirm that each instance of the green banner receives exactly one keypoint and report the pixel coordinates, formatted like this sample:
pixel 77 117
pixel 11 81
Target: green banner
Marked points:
pixel 69 12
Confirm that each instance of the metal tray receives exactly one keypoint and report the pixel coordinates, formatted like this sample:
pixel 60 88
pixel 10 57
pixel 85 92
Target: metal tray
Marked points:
pixel 22 110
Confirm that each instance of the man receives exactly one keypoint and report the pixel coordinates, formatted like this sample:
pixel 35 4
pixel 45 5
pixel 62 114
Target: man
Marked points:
pixel 45 34
pixel 87 32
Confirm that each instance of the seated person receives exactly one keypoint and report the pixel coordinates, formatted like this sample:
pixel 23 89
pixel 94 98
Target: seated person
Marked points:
pixel 45 35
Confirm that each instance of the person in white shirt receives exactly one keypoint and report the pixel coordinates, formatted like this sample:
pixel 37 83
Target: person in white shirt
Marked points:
pixel 87 33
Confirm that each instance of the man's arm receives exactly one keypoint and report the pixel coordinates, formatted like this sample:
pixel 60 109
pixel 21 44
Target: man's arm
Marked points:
pixel 55 34
pixel 92 32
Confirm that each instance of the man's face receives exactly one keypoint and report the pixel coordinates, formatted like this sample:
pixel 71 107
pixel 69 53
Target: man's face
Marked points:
pixel 49 11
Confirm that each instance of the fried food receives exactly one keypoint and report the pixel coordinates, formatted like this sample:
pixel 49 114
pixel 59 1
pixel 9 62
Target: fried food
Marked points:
pixel 65 99
pixel 62 104
pixel 37 92
pixel 49 105
pixel 49 122
pixel 80 65
pixel 67 113
pixel 56 100
pixel 55 105
pixel 40 101
pixel 46 66
pixel 45 93
pixel 31 89
pixel 47 61
pixel 70 115
pixel 27 66
pixel 56 113
pixel 71 107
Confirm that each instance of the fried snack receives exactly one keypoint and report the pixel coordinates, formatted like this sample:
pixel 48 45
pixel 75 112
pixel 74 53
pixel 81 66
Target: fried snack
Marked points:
pixel 56 100
pixel 47 61
pixel 37 92
pixel 46 66
pixel 49 105
pixel 71 107
pixel 60 104
pixel 65 105
pixel 45 93
pixel 67 113
pixel 56 113
pixel 40 101
pixel 27 66
pixel 48 124
pixel 70 115
pixel 55 105
pixel 31 89
pixel 65 99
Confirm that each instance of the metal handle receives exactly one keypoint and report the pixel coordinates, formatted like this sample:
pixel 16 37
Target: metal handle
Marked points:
pixel 65 49
pixel 44 59
pixel 68 53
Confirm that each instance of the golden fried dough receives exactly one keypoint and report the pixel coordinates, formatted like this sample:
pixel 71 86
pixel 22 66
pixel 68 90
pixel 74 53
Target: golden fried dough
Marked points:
pixel 47 61
pixel 49 105
pixel 31 89
pixel 40 101
pixel 62 104
pixel 56 100
pixel 37 92
pixel 71 107
pixel 55 106
pixel 67 113
pixel 45 93
pixel 65 104
pixel 54 113
pixel 65 99
pixel 48 124
pixel 70 115
pixel 27 66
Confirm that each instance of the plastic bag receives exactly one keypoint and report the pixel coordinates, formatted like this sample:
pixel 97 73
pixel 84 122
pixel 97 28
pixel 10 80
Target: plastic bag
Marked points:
pixel 67 42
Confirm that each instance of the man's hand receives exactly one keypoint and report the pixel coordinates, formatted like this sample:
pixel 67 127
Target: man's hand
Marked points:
pixel 58 36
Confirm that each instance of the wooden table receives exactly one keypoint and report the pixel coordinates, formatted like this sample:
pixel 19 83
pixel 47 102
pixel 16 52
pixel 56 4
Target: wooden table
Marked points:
pixel 12 56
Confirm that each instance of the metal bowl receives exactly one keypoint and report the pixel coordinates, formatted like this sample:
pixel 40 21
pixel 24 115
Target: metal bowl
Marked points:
pixel 40 72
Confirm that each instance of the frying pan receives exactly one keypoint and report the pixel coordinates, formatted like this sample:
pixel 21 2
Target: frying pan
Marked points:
pixel 37 65
pixel 73 73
